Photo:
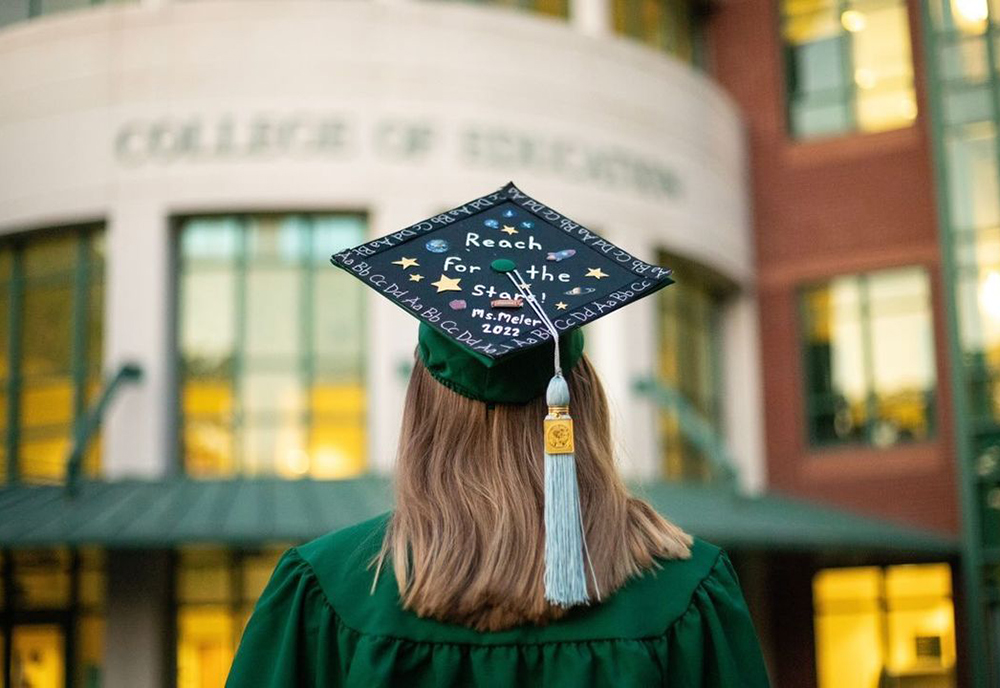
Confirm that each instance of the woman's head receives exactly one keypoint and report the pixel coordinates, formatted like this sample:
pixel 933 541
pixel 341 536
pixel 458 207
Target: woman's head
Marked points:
pixel 466 540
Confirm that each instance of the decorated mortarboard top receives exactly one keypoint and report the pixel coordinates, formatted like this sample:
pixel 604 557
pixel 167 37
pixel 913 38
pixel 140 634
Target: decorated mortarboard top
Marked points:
pixel 457 272
pixel 491 281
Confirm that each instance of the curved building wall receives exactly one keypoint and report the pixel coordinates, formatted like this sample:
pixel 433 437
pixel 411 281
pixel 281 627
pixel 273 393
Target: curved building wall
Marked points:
pixel 135 114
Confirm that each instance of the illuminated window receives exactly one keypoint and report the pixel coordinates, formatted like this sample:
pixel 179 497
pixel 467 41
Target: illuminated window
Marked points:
pixel 12 11
pixel 216 593
pixel 974 219
pixel 869 358
pixel 51 330
pixel 848 66
pixel 668 25
pixel 885 626
pixel 689 362
pixel 553 8
pixel 271 346
pixel 53 616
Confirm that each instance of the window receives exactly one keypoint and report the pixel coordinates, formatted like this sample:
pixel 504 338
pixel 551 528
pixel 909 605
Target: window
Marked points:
pixel 848 66
pixel 12 11
pixel 51 330
pixel 689 365
pixel 53 616
pixel 668 25
pixel 216 592
pixel 885 626
pixel 553 8
pixel 869 358
pixel 271 346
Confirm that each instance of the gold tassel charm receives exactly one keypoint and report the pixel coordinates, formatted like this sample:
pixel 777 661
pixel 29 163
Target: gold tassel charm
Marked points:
pixel 558 431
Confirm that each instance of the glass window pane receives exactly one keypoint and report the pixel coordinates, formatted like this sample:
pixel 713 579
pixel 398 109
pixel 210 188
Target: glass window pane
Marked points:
pixel 203 575
pixel 902 354
pixel 667 25
pixel 46 340
pixel 273 393
pixel 41 578
pixel 208 446
pixel 4 336
pixel 277 239
pixel 883 66
pixel 275 446
pixel 848 627
pixel 206 636
pixel 274 313
pixel 42 458
pixel 973 187
pixel 338 323
pixel 56 253
pixel 208 321
pixel 835 361
pixel 210 240
pixel 37 655
pixel 92 581
pixel 333 233
pixel 46 403
pixel 89 650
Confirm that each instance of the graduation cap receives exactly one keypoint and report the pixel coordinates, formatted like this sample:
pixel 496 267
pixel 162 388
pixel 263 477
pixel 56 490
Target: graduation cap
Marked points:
pixel 501 286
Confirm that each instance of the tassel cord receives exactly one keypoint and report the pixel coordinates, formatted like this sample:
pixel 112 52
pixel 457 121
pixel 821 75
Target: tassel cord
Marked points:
pixel 522 287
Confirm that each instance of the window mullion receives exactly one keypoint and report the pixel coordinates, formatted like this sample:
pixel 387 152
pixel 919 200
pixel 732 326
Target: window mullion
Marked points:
pixel 15 317
pixel 848 91
pixel 78 344
pixel 239 346
pixel 308 352
pixel 868 365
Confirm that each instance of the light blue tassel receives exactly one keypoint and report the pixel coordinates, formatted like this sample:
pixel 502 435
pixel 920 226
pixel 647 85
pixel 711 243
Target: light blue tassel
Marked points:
pixel 565 577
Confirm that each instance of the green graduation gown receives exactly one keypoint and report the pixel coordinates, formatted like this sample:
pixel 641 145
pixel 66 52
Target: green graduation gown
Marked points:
pixel 685 625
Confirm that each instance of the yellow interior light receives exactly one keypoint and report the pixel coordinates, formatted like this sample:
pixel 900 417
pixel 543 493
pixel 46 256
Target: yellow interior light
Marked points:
pixel 989 294
pixel 853 21
pixel 970 15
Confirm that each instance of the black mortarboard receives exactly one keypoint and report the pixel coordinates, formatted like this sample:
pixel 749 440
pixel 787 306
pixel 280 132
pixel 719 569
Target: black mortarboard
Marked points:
pixel 448 271
pixel 491 281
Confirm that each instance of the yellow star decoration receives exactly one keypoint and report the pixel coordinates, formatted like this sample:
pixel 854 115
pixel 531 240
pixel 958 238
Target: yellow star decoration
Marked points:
pixel 507 229
pixel 406 262
pixel 561 306
pixel 595 272
pixel 447 284
pixel 415 277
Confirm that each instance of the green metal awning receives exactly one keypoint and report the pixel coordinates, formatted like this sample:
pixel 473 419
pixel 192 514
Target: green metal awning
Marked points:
pixel 174 512
pixel 776 522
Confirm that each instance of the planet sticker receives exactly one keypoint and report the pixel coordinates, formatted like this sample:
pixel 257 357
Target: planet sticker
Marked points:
pixel 561 255
pixel 576 291
pixel 457 304
pixel 508 213
pixel 491 223
pixel 436 245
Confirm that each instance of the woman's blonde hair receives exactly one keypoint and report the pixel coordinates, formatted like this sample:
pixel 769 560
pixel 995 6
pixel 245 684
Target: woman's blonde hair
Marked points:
pixel 466 539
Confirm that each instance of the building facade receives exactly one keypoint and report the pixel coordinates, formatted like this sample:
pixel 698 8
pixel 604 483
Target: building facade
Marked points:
pixel 174 175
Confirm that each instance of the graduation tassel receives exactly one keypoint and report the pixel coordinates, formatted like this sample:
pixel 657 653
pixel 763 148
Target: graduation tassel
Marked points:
pixel 565 540
pixel 565 578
